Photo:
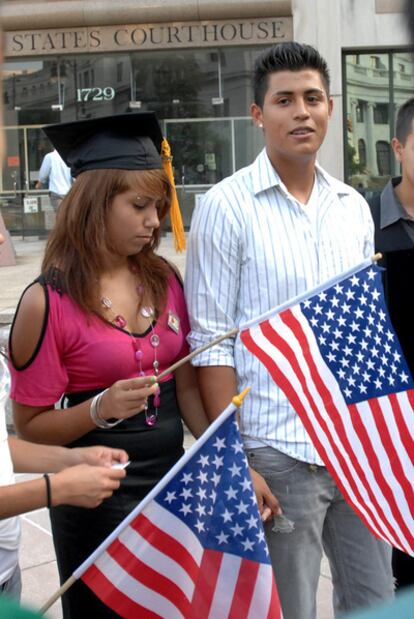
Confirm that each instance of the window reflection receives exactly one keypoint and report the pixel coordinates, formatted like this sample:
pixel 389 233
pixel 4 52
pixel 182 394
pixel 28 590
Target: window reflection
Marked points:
pixel 377 84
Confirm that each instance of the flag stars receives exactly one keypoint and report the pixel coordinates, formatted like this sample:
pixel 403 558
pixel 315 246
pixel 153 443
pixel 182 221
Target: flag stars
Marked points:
pixel 203 460
pixel 231 493
pixel 186 493
pixel 404 377
pixel 247 544
pixel 222 538
pixel 218 461
pixel 170 497
pixel 237 447
pixel 318 309
pixel 245 484
pixel 237 530
pixel 199 525
pixel 235 470
pixel 219 444
pixel 252 522
pixel 227 515
pixel 335 302
pixel 354 280
pixel 346 308
pixel 187 478
pixel 185 509
pixel 242 508
pixel 202 477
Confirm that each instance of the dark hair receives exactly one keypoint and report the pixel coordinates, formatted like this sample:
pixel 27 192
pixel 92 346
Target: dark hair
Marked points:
pixel 405 117
pixel 286 57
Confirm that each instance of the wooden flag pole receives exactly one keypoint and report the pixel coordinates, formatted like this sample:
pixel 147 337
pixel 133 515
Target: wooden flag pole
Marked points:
pixel 376 257
pixel 196 352
pixel 66 585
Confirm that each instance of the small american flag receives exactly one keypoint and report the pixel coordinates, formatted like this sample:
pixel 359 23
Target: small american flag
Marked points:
pixel 338 360
pixel 195 547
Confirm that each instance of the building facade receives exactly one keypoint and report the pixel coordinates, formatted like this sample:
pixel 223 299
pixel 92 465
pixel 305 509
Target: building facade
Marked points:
pixel 191 62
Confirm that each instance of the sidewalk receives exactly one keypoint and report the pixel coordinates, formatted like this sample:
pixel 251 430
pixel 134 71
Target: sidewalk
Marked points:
pixel 37 558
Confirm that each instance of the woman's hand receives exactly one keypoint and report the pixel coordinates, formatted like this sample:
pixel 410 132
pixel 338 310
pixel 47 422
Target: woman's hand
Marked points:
pixel 127 397
pixel 96 456
pixel 84 485
pixel 266 500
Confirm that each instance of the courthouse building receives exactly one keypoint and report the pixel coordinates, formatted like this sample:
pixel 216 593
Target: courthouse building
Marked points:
pixel 191 62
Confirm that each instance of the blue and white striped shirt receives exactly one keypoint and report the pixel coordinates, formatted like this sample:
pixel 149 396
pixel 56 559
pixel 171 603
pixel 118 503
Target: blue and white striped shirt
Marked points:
pixel 251 247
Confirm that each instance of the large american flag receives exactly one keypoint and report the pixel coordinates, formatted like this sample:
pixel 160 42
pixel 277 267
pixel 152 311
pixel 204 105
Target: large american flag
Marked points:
pixel 195 547
pixel 337 358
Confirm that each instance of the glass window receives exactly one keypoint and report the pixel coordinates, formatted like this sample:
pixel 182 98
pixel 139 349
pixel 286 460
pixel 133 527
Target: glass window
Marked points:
pixel 94 85
pixel 375 87
pixel 30 92
pixel 381 116
pixel 362 152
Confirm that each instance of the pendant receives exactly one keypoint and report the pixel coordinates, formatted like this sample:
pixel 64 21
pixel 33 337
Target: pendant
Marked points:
pixel 120 321
pixel 173 322
pixel 147 312
pixel 154 340
pixel 150 418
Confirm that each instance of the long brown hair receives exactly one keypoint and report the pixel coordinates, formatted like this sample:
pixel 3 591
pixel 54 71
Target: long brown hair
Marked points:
pixel 78 242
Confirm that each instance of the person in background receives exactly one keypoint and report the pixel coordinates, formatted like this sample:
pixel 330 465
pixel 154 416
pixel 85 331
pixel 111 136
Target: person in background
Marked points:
pixel 393 214
pixel 270 232
pixel 56 174
pixel 104 319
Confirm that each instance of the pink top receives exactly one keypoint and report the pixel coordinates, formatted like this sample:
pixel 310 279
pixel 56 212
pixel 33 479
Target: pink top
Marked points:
pixel 80 352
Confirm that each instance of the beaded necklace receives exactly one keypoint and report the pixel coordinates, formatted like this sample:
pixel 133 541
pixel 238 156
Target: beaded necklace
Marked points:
pixel 151 415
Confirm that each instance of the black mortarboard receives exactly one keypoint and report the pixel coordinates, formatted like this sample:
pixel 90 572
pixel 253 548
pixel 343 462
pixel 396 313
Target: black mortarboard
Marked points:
pixel 123 142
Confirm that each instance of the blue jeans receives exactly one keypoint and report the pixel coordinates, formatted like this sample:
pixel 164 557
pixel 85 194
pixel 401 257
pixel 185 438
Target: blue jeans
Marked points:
pixel 316 518
pixel 13 586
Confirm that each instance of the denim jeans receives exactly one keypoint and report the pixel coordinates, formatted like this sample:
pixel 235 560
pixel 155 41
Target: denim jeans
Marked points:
pixel 316 518
pixel 13 586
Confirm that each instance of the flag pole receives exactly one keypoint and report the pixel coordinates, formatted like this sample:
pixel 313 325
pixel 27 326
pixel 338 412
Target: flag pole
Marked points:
pixel 217 340
pixel 181 362
pixel 236 402
pixel 66 585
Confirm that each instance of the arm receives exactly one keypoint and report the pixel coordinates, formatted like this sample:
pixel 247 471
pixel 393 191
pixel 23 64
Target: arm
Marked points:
pixel 32 458
pixel 43 424
pixel 44 171
pixel 83 485
pixel 212 280
pixel 218 386
pixel 189 400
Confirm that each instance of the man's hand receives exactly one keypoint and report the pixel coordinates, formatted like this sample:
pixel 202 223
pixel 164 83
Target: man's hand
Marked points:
pixel 267 502
pixel 96 456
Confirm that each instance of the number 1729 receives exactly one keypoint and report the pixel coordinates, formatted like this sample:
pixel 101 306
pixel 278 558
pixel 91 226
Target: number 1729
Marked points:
pixel 95 94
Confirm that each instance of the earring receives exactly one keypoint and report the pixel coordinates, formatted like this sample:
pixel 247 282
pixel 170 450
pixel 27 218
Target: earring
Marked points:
pixel 260 125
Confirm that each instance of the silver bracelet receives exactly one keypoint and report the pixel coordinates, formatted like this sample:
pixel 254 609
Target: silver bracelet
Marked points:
pixel 99 421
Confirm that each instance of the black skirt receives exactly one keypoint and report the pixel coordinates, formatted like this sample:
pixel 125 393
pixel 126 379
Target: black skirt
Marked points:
pixel 78 531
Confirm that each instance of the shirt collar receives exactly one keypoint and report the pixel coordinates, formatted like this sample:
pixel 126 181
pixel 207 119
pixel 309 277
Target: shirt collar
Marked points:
pixel 391 208
pixel 265 176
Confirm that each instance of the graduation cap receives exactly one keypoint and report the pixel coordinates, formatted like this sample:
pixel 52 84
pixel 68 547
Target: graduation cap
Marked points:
pixel 132 141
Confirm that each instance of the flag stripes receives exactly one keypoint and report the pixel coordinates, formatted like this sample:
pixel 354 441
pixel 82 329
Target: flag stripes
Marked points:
pixel 176 556
pixel 351 440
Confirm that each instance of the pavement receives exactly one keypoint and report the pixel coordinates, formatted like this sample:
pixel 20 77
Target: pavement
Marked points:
pixel 37 557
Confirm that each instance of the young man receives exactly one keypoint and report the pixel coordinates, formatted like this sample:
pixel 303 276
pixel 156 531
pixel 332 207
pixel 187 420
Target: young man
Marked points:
pixel 271 231
pixel 393 214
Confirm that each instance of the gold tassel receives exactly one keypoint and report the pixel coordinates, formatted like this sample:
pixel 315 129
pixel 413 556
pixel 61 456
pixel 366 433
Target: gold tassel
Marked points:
pixel 175 213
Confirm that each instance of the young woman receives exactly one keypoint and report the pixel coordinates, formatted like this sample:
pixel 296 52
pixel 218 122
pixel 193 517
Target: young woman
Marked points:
pixel 105 317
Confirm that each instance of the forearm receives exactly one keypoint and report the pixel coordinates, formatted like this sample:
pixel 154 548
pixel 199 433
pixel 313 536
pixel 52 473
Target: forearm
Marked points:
pixel 218 385
pixel 34 458
pixel 53 427
pixel 22 497
pixel 189 400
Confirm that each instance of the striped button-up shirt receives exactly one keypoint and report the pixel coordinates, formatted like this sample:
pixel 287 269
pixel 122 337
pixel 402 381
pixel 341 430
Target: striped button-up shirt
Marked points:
pixel 253 246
